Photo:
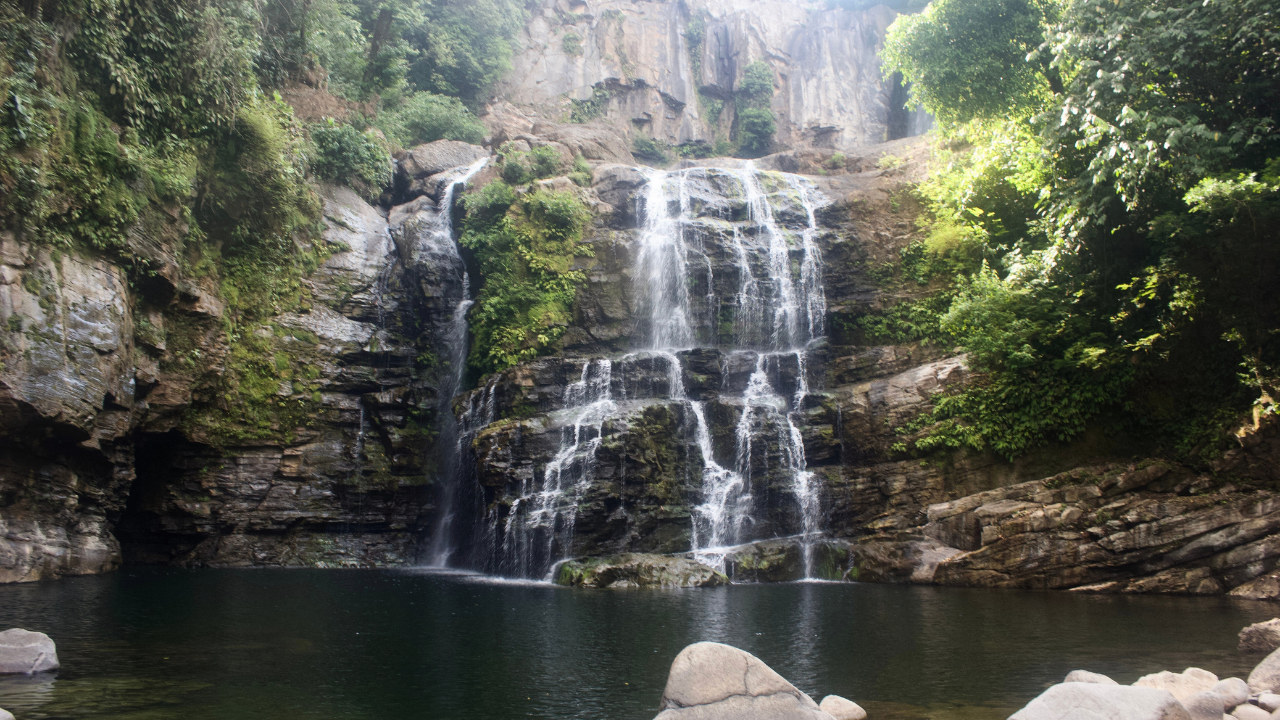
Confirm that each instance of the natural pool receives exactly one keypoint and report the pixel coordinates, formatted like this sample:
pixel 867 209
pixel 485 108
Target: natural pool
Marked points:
pixel 403 644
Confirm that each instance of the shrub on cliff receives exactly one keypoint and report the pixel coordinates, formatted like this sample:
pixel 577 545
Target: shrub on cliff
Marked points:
pixel 348 156
pixel 424 117
pixel 525 247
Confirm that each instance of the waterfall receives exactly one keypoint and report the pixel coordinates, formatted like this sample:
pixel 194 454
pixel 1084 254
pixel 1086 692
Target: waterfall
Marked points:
pixel 796 307
pixel 455 433
pixel 539 525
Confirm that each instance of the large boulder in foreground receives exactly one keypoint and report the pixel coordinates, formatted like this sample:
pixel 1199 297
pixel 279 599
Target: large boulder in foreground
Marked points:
pixel 1097 701
pixel 637 570
pixel 711 681
pixel 23 651
pixel 1181 685
pixel 1265 677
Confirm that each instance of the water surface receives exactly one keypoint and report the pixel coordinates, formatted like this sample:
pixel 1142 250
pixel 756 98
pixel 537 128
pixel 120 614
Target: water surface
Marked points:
pixel 200 644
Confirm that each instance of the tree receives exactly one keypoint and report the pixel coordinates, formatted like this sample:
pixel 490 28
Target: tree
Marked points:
pixel 968 59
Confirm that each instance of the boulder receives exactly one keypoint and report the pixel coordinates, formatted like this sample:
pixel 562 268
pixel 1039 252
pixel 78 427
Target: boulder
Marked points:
pixel 1233 691
pixel 1249 712
pixel 617 184
pixel 1205 706
pixel 1093 701
pixel 711 681
pixel 1269 702
pixel 433 158
pixel 5 714
pixel 637 570
pixel 23 651
pixel 1084 676
pixel 1266 675
pixel 1261 636
pixel 1180 685
pixel 841 708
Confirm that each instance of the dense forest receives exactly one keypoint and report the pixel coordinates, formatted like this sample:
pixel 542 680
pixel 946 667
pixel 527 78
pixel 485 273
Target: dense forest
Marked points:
pixel 1103 235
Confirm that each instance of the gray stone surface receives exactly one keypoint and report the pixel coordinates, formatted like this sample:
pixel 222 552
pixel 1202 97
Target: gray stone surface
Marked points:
pixel 1205 706
pixel 1265 676
pixel 23 651
pixel 1233 691
pixel 1261 636
pixel 637 570
pixel 1269 702
pixel 5 714
pixel 1093 701
pixel 1249 712
pixel 711 681
pixel 1180 685
pixel 842 708
pixel 1084 676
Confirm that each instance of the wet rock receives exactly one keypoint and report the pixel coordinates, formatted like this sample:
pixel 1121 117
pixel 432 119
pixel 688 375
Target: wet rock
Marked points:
pixel 637 570
pixel 23 651
pixel 430 159
pixel 1084 676
pixel 782 560
pixel 1265 677
pixel 1205 706
pixel 711 681
pixel 1261 636
pixel 912 560
pixel 842 709
pixel 1266 587
pixel 1093 700
pixel 1180 685
pixel 1232 690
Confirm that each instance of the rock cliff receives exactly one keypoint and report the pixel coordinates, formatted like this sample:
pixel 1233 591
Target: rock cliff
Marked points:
pixel 669 71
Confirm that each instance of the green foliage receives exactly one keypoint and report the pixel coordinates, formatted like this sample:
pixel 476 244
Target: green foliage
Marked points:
pixel 1121 182
pixel 695 32
pixel 584 111
pixel 582 172
pixel 423 117
pixel 650 151
pixel 967 59
pixel 346 155
pixel 755 130
pixel 571 44
pixel 464 46
pixel 523 167
pixel 755 121
pixel 525 247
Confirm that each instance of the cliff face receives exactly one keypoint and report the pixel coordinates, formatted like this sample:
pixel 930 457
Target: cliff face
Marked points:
pixel 670 70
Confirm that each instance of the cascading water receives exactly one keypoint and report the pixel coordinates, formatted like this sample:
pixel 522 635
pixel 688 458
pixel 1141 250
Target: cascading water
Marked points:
pixel 693 235
pixel 538 528
pixel 454 436
pixel 795 318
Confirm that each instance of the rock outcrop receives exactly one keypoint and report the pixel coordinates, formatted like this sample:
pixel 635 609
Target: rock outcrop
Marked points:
pixel 1261 637
pixel 23 651
pixel 636 570
pixel 711 681
pixel 669 71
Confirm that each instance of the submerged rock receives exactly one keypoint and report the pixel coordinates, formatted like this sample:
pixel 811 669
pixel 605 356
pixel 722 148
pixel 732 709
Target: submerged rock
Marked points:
pixel 23 651
pixel 1261 636
pixel 711 681
pixel 637 570
pixel 841 708
pixel 1095 700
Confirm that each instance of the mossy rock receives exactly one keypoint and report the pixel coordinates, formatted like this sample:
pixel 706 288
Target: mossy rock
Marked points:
pixel 637 570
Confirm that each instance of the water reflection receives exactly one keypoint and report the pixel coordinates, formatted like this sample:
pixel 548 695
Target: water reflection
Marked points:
pixel 375 644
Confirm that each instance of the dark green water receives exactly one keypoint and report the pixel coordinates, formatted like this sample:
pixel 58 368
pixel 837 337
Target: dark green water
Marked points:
pixel 236 644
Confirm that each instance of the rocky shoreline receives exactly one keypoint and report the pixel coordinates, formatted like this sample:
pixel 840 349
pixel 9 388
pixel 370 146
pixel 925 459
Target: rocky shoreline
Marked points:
pixel 712 681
